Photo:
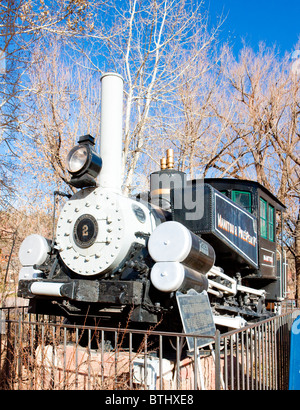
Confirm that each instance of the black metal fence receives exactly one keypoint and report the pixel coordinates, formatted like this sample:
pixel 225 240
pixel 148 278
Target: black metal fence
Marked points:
pixel 44 353
pixel 257 357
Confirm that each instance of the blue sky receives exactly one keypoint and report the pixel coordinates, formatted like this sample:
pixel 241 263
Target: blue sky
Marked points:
pixel 272 21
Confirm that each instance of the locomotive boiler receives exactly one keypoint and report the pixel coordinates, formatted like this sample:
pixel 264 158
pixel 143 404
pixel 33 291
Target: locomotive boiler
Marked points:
pixel 123 259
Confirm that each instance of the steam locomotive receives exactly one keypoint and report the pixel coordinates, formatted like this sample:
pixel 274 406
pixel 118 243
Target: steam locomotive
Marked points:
pixel 119 258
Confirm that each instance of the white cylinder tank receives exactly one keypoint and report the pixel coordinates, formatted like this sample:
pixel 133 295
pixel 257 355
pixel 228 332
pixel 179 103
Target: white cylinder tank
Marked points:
pixel 173 276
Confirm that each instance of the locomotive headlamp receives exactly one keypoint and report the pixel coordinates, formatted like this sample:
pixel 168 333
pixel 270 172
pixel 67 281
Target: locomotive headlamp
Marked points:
pixel 83 163
pixel 77 159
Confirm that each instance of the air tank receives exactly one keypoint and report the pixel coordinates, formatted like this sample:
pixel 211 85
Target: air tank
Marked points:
pixel 173 242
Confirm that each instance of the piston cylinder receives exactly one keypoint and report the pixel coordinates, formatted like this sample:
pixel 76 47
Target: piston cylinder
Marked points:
pixel 173 276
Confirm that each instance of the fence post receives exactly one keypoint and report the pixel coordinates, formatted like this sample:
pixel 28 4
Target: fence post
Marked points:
pixel 217 361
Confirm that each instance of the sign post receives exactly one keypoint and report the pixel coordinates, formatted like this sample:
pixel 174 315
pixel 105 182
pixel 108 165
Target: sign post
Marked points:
pixel 294 372
pixel 197 318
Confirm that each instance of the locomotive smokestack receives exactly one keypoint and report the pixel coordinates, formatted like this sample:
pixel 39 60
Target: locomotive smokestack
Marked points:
pixel 111 131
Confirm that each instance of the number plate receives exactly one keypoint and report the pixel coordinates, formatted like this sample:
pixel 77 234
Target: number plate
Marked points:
pixel 85 231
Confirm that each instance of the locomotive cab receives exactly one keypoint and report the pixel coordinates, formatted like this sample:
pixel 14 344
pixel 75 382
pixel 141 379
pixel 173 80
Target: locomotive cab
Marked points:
pixel 268 210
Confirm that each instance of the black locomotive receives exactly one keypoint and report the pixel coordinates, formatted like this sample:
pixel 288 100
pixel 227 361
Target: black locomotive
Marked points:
pixel 117 258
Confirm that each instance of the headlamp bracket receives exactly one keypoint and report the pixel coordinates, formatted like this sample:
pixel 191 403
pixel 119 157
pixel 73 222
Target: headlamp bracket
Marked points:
pixel 86 139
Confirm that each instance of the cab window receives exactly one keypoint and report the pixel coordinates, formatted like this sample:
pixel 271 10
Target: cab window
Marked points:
pixel 266 214
pixel 271 223
pixel 263 216
pixel 242 198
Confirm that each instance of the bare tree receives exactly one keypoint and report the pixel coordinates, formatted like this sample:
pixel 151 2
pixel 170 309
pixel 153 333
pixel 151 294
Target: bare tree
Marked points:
pixel 152 44
pixel 262 112
pixel 62 103
pixel 24 26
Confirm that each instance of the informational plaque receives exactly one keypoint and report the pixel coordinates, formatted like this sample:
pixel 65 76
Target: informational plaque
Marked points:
pixel 196 316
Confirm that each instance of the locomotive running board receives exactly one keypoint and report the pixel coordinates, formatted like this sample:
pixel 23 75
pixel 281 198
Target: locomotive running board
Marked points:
pixel 105 291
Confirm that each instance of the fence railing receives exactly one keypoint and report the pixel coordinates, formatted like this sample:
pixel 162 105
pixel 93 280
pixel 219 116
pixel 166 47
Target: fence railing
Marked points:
pixel 44 353
pixel 257 357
